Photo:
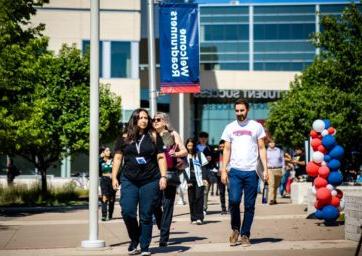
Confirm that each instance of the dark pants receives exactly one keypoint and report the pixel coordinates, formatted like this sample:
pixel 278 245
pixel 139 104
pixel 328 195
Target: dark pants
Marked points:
pixel 164 215
pixel 145 197
pixel 196 201
pixel 239 182
pixel 222 189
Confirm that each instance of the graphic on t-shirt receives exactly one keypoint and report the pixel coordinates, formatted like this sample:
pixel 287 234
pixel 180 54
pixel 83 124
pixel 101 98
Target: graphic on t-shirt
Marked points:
pixel 242 132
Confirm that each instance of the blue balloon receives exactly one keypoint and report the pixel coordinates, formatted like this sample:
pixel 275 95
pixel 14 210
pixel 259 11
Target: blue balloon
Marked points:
pixel 335 178
pixel 327 123
pixel 327 158
pixel 328 141
pixel 336 152
pixel 319 214
pixel 334 164
pixel 330 213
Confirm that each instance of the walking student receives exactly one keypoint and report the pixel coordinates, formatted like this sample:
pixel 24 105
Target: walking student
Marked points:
pixel 195 175
pixel 275 161
pixel 221 185
pixel 108 193
pixel 143 174
pixel 174 148
pixel 244 143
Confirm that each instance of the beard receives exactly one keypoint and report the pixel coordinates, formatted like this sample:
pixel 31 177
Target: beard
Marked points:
pixel 241 118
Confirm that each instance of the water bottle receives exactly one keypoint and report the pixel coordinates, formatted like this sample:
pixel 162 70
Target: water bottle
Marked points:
pixel 264 199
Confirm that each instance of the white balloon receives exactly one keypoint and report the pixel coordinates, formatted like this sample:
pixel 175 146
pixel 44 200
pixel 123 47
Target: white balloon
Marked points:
pixel 324 163
pixel 342 204
pixel 317 157
pixel 324 132
pixel 330 187
pixel 318 125
pixel 334 192
pixel 314 191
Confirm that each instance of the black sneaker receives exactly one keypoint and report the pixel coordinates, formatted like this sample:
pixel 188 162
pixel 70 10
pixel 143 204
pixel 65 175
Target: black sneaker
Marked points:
pixel 163 244
pixel 104 218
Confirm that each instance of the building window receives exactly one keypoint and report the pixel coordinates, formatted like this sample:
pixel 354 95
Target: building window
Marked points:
pixel 86 49
pixel 120 59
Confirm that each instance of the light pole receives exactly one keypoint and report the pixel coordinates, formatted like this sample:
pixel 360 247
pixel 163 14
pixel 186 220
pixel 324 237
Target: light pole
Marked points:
pixel 151 60
pixel 93 241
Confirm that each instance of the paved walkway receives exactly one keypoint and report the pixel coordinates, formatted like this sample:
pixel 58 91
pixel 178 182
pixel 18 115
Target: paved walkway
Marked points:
pixel 277 230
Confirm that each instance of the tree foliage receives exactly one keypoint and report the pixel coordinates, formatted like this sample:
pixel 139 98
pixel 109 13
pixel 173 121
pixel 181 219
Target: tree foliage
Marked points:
pixel 330 88
pixel 44 103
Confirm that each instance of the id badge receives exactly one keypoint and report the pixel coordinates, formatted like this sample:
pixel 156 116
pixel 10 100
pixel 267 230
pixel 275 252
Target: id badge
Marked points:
pixel 141 160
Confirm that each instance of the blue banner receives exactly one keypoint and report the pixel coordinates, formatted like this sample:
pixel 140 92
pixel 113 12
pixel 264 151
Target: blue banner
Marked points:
pixel 179 48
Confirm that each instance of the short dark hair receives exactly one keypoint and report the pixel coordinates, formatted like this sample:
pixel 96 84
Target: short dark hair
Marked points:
pixel 221 142
pixel 203 135
pixel 242 102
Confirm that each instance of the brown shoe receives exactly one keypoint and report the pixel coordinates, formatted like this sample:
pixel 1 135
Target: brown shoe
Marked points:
pixel 245 241
pixel 234 238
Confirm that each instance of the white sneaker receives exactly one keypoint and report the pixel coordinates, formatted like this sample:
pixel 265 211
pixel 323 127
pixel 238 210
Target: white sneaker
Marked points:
pixel 145 253
pixel 134 252
pixel 180 203
pixel 199 222
pixel 194 222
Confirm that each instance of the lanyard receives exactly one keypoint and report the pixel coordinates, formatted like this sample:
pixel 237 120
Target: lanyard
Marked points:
pixel 138 145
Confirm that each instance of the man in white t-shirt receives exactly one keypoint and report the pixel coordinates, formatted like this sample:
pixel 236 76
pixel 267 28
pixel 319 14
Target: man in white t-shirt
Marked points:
pixel 244 144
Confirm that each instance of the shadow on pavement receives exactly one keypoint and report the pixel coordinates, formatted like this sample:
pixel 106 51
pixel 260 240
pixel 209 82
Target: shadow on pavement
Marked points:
pixel 180 240
pixel 265 240
pixel 26 211
pixel 170 249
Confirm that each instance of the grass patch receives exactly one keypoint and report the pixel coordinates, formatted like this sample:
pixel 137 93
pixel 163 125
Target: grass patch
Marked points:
pixel 22 195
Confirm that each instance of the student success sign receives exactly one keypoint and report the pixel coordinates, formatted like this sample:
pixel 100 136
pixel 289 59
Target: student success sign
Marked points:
pixel 179 48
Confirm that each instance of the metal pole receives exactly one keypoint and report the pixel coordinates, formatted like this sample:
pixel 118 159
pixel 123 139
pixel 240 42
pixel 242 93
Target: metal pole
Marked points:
pixel 181 106
pixel 93 241
pixel 151 60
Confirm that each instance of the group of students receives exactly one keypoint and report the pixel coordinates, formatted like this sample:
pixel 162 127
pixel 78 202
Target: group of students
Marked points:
pixel 147 155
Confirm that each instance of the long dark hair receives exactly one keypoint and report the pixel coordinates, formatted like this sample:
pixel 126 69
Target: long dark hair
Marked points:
pixel 132 127
pixel 193 141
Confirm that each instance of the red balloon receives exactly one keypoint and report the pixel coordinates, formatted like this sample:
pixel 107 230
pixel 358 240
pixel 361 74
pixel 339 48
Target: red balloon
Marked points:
pixel 323 172
pixel 312 169
pixel 339 193
pixel 313 134
pixel 319 204
pixel 320 182
pixel 324 195
pixel 322 149
pixel 331 130
pixel 335 201
pixel 315 143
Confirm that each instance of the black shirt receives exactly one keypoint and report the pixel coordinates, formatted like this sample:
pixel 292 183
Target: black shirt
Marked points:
pixel 131 169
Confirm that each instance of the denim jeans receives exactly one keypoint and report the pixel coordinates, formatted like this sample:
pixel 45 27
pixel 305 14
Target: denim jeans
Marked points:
pixel 239 182
pixel 145 196
pixel 283 183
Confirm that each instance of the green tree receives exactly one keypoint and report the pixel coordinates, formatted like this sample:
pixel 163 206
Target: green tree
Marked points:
pixel 330 88
pixel 44 105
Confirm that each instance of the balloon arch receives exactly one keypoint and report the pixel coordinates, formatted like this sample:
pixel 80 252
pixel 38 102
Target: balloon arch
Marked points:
pixel 325 164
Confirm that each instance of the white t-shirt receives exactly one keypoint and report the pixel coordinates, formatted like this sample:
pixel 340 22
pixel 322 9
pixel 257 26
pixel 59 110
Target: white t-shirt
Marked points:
pixel 243 137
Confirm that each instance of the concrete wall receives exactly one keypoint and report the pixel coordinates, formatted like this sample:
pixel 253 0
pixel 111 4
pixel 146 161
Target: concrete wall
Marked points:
pixel 353 215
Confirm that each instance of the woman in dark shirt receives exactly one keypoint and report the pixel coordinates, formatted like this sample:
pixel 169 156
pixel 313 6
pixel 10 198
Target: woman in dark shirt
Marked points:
pixel 143 174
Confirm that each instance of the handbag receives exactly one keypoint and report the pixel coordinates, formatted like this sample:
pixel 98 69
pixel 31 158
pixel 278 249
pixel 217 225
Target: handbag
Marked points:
pixel 173 178
pixel 181 163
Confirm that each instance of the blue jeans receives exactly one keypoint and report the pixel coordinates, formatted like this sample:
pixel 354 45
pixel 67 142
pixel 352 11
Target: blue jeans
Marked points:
pixel 144 195
pixel 239 182
pixel 283 183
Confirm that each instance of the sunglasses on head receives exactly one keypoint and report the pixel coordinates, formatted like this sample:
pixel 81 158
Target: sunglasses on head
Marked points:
pixel 158 119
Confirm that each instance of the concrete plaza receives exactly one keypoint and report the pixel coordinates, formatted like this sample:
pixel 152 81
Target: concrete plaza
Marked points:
pixel 281 229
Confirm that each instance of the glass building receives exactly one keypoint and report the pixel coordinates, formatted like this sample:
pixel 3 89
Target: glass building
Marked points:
pixel 255 37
